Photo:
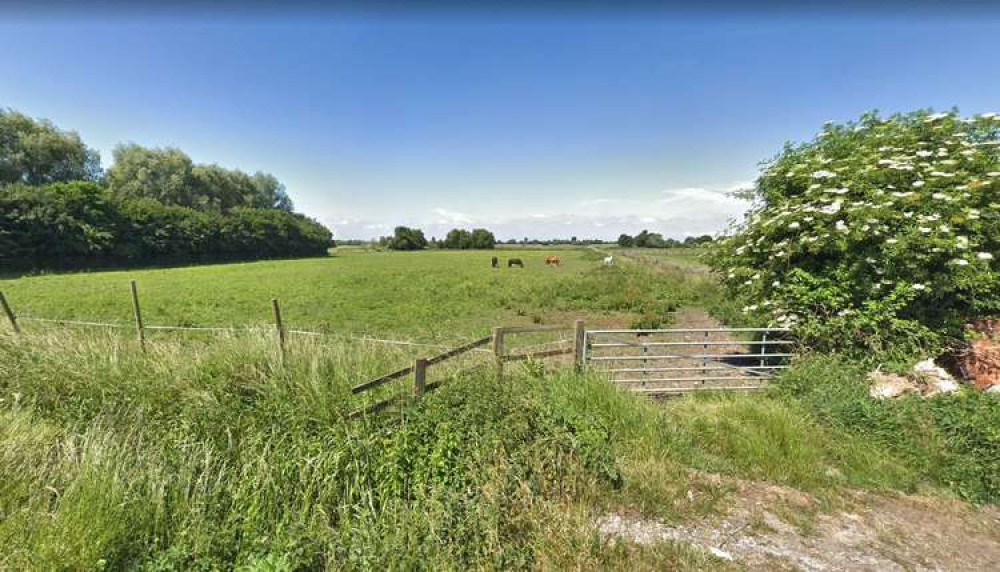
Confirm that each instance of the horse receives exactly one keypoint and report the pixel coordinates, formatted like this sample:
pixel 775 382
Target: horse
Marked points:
pixel 552 261
pixel 609 260
pixel 512 262
pixel 495 262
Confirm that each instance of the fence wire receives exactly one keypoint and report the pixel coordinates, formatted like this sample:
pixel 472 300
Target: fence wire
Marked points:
pixel 233 329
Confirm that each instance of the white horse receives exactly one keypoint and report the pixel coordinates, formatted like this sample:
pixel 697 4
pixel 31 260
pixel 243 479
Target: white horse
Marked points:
pixel 608 260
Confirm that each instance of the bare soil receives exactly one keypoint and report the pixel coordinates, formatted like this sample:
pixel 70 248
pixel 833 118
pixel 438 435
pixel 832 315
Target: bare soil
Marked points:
pixel 768 527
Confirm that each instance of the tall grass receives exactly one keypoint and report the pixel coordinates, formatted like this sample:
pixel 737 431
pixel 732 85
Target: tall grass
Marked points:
pixel 212 455
pixel 951 442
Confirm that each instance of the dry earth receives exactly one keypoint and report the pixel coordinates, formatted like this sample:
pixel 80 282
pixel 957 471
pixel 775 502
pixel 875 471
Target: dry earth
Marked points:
pixel 768 527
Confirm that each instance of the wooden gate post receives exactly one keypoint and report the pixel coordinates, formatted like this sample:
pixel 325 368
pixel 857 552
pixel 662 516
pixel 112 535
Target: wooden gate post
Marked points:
pixel 281 328
pixel 419 376
pixel 579 342
pixel 10 314
pixel 137 314
pixel 498 349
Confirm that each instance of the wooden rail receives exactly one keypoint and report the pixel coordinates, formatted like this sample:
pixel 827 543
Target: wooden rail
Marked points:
pixel 497 339
pixel 428 361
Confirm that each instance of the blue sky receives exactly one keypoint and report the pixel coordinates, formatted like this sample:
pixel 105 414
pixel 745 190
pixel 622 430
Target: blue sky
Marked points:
pixel 537 124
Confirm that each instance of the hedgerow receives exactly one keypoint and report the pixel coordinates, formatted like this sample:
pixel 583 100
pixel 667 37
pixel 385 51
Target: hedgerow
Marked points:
pixel 879 233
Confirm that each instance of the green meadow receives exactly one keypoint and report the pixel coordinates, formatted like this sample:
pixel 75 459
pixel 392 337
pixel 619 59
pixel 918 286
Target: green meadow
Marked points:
pixel 431 295
pixel 210 452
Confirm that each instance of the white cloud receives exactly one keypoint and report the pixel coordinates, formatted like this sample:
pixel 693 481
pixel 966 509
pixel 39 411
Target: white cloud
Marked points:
pixel 452 217
pixel 674 212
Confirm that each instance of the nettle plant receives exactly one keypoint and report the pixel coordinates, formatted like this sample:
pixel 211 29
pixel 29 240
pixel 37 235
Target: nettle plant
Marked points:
pixel 878 234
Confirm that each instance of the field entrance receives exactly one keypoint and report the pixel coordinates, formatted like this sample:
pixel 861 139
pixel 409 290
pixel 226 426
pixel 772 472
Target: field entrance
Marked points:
pixel 683 360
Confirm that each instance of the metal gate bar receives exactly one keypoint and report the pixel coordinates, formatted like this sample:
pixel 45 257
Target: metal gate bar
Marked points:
pixel 768 352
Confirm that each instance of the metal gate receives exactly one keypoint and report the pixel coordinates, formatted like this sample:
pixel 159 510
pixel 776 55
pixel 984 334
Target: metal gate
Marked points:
pixel 675 361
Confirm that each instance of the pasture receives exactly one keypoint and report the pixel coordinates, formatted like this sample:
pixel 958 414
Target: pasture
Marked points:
pixel 431 295
pixel 213 453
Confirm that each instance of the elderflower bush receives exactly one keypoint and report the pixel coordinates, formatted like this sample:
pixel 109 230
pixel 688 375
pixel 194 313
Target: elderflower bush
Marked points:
pixel 878 233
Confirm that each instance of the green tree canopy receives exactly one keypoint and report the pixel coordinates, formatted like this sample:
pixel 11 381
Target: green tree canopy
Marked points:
pixel 479 238
pixel 406 238
pixel 169 176
pixel 36 152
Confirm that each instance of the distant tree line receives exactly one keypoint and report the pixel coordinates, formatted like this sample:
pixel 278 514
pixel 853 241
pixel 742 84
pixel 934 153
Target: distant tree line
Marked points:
pixel 406 238
pixel 57 206
pixel 646 239
pixel 556 241
pixel 461 239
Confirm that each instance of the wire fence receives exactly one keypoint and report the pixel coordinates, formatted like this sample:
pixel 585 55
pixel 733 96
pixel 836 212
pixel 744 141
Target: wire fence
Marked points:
pixel 235 329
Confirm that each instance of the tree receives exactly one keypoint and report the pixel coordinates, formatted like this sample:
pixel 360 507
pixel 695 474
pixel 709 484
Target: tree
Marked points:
pixel 698 240
pixel 169 176
pixel 270 193
pixel 405 238
pixel 166 175
pixel 483 239
pixel 479 238
pixel 625 241
pixel 646 239
pixel 457 238
pixel 36 152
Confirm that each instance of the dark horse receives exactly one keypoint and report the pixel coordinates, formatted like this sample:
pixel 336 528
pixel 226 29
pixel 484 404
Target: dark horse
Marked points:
pixel 495 262
pixel 512 262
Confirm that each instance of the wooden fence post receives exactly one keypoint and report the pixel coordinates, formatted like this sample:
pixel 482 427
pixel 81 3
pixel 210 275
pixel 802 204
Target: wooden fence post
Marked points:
pixel 10 314
pixel 281 328
pixel 138 316
pixel 419 376
pixel 579 341
pixel 498 349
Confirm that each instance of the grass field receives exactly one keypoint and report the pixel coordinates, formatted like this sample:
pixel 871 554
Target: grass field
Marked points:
pixel 431 295
pixel 210 453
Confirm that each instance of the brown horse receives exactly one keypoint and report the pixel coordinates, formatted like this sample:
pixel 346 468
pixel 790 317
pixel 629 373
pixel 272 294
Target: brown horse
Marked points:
pixel 552 261
pixel 512 262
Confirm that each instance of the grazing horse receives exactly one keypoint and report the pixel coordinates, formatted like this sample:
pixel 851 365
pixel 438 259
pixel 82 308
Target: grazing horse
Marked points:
pixel 609 260
pixel 495 262
pixel 512 262
pixel 552 261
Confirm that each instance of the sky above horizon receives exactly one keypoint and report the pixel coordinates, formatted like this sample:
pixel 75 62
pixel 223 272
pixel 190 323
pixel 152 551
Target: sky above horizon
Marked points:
pixel 539 124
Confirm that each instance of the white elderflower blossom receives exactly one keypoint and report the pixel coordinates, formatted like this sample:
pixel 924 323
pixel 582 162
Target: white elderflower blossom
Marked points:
pixel 919 286
pixel 984 256
pixel 823 174
pixel 960 262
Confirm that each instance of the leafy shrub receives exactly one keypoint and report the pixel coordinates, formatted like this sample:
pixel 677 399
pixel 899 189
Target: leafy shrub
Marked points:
pixel 877 232
pixel 65 222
